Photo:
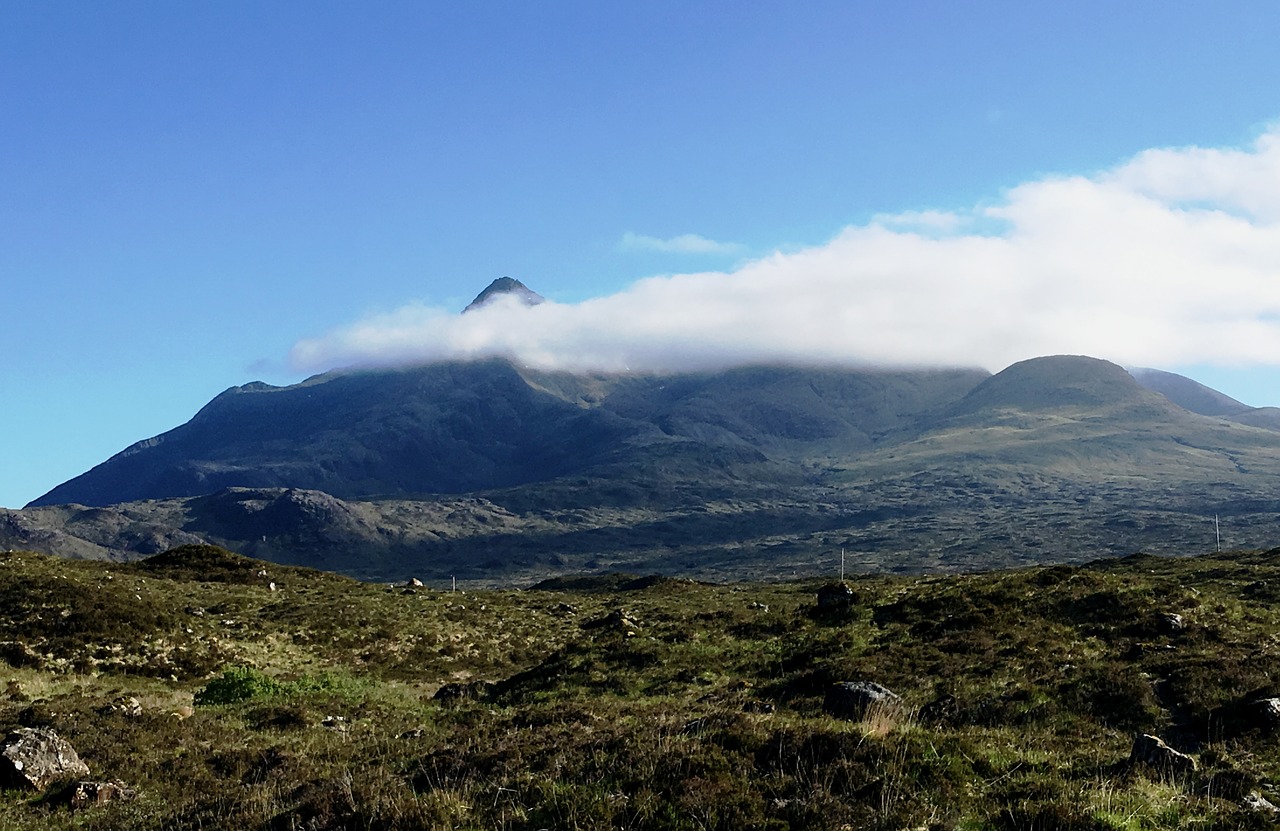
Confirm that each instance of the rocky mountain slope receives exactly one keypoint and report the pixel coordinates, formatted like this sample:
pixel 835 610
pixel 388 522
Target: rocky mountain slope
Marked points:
pixel 496 472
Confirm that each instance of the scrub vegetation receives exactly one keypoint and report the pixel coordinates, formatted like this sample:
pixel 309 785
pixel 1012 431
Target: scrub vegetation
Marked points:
pixel 283 698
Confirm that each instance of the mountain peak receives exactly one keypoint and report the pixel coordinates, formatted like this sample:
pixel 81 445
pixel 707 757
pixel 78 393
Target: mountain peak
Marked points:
pixel 1055 382
pixel 505 286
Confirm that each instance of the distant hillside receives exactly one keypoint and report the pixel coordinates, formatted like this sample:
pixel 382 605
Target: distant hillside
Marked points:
pixel 1059 382
pixel 493 472
pixel 1189 394
pixel 462 427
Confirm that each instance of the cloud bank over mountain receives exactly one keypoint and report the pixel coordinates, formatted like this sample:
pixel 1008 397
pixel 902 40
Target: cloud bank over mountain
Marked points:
pixel 1171 257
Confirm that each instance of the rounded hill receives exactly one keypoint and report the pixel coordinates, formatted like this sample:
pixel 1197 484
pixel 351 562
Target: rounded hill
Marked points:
pixel 1058 382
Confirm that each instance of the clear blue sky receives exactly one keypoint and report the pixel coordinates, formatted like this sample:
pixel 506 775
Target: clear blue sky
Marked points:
pixel 187 190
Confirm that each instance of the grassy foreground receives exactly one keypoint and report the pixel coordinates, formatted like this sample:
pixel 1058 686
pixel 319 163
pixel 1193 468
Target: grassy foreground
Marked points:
pixel 296 699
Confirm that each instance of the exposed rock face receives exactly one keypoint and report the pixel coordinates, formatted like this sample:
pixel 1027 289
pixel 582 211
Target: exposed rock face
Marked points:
pixel 853 699
pixel 1151 753
pixel 36 757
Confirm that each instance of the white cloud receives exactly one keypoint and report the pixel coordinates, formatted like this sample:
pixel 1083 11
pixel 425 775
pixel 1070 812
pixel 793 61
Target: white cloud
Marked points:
pixel 1172 257
pixel 683 244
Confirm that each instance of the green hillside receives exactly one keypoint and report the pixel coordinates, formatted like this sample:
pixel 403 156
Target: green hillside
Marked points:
pixel 271 697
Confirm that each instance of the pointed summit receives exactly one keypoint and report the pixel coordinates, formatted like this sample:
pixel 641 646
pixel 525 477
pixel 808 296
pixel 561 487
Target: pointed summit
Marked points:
pixel 503 286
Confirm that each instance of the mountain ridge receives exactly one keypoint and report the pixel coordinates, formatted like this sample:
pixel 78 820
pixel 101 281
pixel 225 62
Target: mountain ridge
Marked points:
pixel 495 471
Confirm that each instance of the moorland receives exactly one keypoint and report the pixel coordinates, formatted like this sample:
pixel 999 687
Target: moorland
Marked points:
pixel 224 692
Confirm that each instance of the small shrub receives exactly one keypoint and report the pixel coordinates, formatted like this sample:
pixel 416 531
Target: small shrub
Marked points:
pixel 238 684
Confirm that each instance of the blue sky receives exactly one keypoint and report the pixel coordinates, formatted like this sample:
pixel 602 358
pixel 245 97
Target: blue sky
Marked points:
pixel 197 195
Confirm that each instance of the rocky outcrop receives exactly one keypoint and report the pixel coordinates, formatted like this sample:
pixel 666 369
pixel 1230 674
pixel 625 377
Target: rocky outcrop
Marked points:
pixel 1152 755
pixel 855 699
pixel 33 758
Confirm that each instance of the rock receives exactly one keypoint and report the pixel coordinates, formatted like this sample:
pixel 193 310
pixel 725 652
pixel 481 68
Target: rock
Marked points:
pixel 36 757
pixel 124 705
pixel 852 699
pixel 337 724
pixel 414 582
pixel 615 621
pixel 835 597
pixel 1267 713
pixel 764 607
pixel 85 794
pixel 460 691
pixel 1255 801
pixel 1171 623
pixel 1152 753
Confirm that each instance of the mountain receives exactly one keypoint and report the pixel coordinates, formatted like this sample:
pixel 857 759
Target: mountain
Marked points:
pixel 1188 394
pixel 462 427
pixel 443 428
pixel 506 287
pixel 495 472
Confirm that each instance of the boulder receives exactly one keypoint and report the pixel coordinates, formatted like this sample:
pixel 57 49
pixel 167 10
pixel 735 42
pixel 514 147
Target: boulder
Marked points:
pixel 1266 713
pixel 852 699
pixel 35 757
pixel 1150 752
pixel 1171 623
pixel 835 597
